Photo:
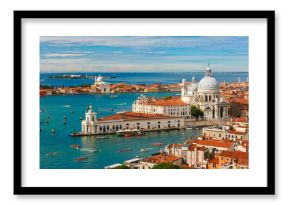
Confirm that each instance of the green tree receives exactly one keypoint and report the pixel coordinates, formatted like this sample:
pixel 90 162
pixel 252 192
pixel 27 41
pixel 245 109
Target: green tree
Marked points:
pixel 123 166
pixel 196 112
pixel 207 155
pixel 166 166
pixel 167 98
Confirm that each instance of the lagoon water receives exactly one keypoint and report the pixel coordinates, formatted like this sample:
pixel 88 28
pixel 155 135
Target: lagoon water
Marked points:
pixel 55 149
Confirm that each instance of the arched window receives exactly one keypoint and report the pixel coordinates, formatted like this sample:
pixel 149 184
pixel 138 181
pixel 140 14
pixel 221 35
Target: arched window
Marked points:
pixel 209 98
pixel 205 98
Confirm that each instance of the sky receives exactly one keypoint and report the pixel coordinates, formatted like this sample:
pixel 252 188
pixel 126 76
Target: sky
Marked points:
pixel 143 53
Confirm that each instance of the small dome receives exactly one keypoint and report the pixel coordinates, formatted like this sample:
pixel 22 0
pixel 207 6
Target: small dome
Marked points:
pixel 99 78
pixel 192 87
pixel 208 83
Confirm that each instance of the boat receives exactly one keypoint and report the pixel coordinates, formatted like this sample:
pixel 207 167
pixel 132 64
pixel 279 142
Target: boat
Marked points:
pixel 124 150
pixel 81 159
pixel 67 106
pixel 156 144
pixel 129 132
pixel 75 146
pixel 189 128
pixel 145 149
pixel 88 150
pixel 114 96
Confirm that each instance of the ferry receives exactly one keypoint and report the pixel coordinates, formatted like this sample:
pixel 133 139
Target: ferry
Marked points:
pixel 129 133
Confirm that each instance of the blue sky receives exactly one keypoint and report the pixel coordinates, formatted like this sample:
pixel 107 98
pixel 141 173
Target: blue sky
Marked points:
pixel 143 53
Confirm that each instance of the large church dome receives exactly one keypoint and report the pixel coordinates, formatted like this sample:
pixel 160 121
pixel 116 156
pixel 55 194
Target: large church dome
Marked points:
pixel 208 82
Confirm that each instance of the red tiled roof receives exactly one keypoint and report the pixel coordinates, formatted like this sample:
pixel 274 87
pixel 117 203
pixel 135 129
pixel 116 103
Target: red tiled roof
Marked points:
pixel 213 143
pixel 235 154
pixel 236 132
pixel 157 159
pixel 131 116
pixel 175 101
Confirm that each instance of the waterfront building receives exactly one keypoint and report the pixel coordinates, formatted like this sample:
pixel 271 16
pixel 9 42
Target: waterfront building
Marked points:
pixel 171 106
pixel 150 162
pixel 129 121
pixel 205 95
pixel 99 84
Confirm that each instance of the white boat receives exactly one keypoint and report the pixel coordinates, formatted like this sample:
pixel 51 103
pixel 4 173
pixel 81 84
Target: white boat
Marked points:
pixel 114 96
pixel 88 150
pixel 189 128
pixel 145 149
pixel 67 106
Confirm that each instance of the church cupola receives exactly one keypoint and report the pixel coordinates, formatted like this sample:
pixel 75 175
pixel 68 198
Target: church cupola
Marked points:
pixel 208 71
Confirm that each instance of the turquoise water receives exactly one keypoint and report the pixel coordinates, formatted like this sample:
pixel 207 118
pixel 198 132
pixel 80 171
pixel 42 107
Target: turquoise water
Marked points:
pixel 55 150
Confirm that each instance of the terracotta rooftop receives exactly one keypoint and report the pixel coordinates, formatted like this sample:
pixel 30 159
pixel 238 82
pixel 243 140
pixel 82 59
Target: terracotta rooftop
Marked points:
pixel 240 100
pixel 175 101
pixel 235 154
pixel 157 159
pixel 236 132
pixel 131 116
pixel 213 143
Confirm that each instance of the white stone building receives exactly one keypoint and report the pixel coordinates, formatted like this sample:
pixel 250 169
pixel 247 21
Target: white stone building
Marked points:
pixel 173 106
pixel 128 121
pixel 205 95
pixel 192 155
pixel 104 87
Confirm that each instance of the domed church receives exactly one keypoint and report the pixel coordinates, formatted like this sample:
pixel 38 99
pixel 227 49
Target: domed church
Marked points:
pixel 205 95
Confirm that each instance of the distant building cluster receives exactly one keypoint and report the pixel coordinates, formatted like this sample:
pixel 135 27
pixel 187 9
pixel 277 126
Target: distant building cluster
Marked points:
pixel 171 106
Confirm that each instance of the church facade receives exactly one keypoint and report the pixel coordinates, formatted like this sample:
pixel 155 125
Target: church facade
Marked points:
pixel 205 95
pixel 104 87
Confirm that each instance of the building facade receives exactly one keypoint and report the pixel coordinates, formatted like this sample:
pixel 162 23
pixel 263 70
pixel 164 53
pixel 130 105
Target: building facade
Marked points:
pixel 173 106
pixel 128 121
pixel 104 87
pixel 205 95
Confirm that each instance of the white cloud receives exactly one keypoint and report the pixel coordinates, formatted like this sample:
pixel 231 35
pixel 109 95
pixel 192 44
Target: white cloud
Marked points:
pixel 63 55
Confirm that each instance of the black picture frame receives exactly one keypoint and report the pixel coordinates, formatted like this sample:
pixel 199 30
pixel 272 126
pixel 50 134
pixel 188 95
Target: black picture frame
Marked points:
pixel 268 190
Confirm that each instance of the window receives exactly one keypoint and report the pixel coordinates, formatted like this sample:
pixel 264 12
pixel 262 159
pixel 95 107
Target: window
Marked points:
pixel 148 127
pixel 158 126
pixel 93 119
